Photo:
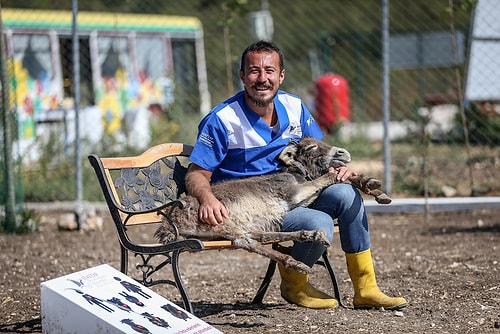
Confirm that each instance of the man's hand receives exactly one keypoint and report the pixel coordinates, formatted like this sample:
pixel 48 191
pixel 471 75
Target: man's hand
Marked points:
pixel 343 173
pixel 213 212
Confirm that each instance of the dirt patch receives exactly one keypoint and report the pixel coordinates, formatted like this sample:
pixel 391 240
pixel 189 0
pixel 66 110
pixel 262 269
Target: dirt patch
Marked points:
pixel 446 266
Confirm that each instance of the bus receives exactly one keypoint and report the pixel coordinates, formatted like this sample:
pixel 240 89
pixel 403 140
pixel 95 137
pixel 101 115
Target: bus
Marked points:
pixel 130 65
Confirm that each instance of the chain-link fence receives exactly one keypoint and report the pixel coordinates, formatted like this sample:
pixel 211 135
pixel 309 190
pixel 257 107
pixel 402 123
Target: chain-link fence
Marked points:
pixel 150 69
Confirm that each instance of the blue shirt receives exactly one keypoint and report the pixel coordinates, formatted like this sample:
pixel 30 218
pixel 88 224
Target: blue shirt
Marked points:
pixel 233 141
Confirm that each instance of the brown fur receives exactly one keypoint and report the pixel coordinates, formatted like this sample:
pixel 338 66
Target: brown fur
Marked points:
pixel 257 205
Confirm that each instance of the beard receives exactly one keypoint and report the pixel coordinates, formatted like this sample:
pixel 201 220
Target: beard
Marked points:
pixel 261 102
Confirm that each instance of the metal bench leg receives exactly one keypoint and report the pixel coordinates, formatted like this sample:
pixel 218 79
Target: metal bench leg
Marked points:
pixel 333 278
pixel 123 260
pixel 178 282
pixel 271 268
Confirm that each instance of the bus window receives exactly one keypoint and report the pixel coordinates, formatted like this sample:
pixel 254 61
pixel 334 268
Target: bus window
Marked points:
pixel 185 73
pixel 155 82
pixel 113 56
pixel 150 60
pixel 86 83
pixel 34 51
pixel 36 85
pixel 112 95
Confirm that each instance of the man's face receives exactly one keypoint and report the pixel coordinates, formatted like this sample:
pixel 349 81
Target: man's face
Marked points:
pixel 262 77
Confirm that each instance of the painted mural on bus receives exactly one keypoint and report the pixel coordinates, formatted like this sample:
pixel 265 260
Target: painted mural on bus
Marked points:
pixel 128 63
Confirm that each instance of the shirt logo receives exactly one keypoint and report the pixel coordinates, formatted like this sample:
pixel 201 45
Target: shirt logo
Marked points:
pixel 206 139
pixel 295 130
pixel 310 120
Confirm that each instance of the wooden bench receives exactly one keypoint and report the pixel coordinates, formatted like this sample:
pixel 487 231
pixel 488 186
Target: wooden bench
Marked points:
pixel 138 191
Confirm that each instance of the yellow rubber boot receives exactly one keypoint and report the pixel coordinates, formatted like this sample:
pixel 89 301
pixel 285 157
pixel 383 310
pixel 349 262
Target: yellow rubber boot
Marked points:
pixel 366 292
pixel 295 289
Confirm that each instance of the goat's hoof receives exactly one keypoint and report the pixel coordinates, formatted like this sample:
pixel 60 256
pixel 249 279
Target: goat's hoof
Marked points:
pixel 298 266
pixel 323 240
pixel 319 236
pixel 302 268
pixel 373 184
pixel 383 199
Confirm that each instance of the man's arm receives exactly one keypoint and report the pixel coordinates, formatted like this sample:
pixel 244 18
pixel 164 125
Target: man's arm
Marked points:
pixel 212 211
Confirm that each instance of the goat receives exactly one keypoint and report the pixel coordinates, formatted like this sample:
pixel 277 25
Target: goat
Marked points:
pixel 257 204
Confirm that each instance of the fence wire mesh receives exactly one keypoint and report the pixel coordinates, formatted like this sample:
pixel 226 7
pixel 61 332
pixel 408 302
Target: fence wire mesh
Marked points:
pixel 149 70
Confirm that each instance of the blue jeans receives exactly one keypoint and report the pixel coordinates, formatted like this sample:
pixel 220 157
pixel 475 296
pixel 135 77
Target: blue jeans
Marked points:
pixel 339 201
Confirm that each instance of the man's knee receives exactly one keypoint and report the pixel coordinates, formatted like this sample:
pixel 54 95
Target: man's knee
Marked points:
pixel 341 192
pixel 322 222
pixel 309 219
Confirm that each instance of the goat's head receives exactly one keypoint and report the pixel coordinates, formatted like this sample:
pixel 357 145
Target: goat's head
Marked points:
pixel 313 155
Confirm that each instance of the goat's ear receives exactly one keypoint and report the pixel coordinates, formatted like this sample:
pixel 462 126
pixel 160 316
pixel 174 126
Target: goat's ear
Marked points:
pixel 310 147
pixel 288 154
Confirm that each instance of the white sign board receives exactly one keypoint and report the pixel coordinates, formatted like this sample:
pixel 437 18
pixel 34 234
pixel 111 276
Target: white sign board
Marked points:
pixel 483 73
pixel 103 300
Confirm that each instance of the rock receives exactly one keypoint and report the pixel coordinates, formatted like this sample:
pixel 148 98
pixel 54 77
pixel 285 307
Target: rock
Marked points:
pixel 448 191
pixel 83 218
pixel 91 224
pixel 67 221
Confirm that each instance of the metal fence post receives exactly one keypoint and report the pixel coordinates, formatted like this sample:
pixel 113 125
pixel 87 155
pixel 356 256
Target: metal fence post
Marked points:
pixel 10 215
pixel 76 87
pixel 386 96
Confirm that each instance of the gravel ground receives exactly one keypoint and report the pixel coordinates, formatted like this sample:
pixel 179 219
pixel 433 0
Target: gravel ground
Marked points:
pixel 445 264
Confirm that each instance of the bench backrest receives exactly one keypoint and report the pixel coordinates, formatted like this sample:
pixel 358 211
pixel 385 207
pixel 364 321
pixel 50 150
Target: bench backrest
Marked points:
pixel 135 187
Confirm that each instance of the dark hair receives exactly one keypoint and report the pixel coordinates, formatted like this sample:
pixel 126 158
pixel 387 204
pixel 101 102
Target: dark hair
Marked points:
pixel 259 47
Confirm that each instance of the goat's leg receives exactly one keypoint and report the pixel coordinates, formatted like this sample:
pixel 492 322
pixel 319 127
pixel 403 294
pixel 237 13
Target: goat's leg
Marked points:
pixel 308 191
pixel 317 236
pixel 258 248
pixel 380 196
pixel 370 186
pixel 365 183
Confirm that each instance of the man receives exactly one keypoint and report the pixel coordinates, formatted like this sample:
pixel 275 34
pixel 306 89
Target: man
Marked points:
pixel 241 137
